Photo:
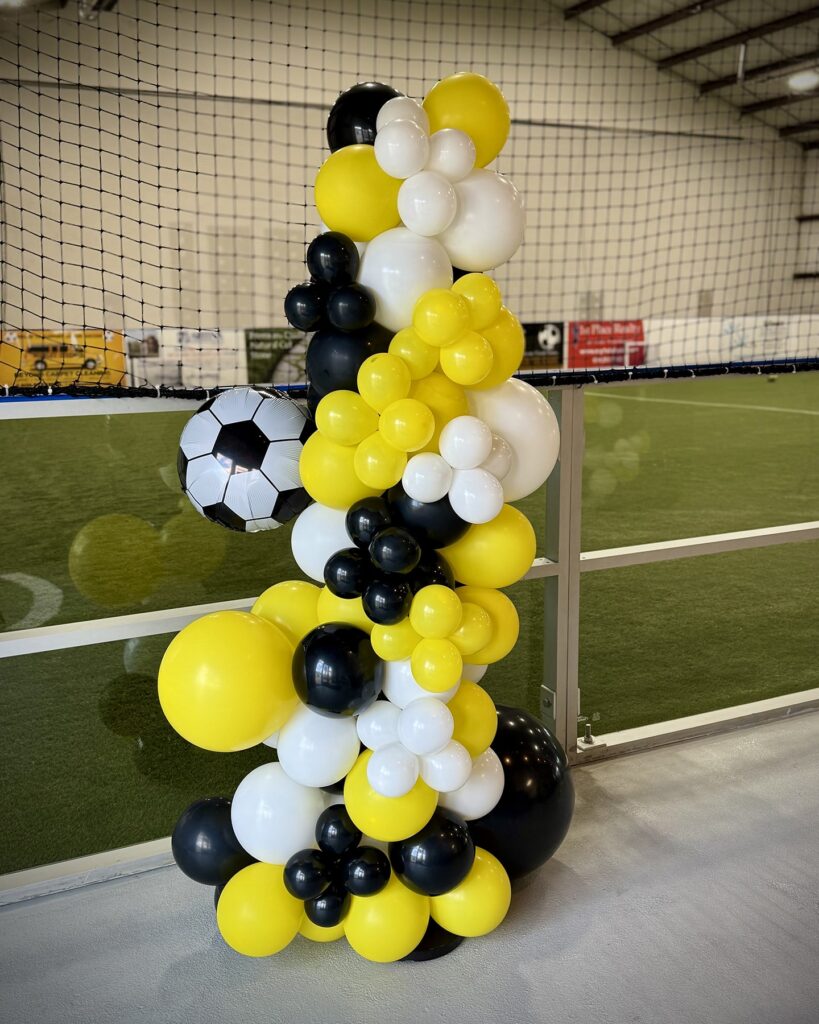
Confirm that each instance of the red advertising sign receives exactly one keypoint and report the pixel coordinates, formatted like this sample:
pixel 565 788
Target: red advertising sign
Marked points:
pixel 605 343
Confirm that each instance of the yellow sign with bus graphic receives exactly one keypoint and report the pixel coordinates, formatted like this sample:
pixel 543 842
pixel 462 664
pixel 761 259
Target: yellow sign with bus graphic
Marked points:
pixel 87 357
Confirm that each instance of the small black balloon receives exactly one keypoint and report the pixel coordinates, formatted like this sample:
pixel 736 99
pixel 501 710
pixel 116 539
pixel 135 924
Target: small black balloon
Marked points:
pixel 437 858
pixel 366 871
pixel 434 523
pixel 351 307
pixel 304 305
pixel 433 568
pixel 335 832
pixel 332 259
pixel 387 600
pixel 336 671
pixel 204 844
pixel 353 116
pixel 457 273
pixel 395 550
pixel 334 357
pixel 365 519
pixel 328 909
pixel 348 573
pixel 307 874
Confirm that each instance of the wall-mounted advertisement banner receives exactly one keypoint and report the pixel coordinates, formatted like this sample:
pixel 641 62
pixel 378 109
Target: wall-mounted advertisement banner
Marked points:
pixel 269 351
pixel 68 356
pixel 605 343
pixel 544 345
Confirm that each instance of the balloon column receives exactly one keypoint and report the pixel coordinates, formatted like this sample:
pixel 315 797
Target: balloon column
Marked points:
pixel 401 801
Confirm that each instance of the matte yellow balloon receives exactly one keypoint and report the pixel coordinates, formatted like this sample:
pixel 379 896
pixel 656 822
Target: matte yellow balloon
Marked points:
pixel 436 664
pixel 386 927
pixel 508 343
pixel 225 681
pixel 468 360
pixel 494 554
pixel 315 933
pixel 384 817
pixel 419 357
pixel 480 903
pixel 292 606
pixel 345 417
pixel 328 473
pixel 353 195
pixel 472 104
pixel 476 718
pixel 446 399
pixel 435 611
pixel 256 914
pixel 394 643
pixel 330 608
pixel 505 623
pixel 475 630
pixel 383 379
pixel 407 424
pixel 483 298
pixel 377 464
pixel 440 316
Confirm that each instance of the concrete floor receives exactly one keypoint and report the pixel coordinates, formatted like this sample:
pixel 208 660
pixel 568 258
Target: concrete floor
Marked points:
pixel 686 892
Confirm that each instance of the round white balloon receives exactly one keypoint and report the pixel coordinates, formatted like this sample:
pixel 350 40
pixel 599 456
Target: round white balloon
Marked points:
pixel 318 533
pixel 271 740
pixel 401 148
pixel 317 750
pixel 481 791
pixel 427 477
pixel 465 442
pixel 451 154
pixel 448 769
pixel 425 726
pixel 500 458
pixel 488 228
pixel 475 495
pixel 392 770
pixel 378 725
pixel 474 673
pixel 273 816
pixel 400 688
pixel 401 108
pixel 426 203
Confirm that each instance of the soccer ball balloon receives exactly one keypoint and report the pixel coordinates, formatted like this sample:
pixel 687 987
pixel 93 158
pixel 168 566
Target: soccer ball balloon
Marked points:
pixel 239 459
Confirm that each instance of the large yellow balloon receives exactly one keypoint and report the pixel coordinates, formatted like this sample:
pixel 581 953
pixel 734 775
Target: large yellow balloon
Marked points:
pixel 291 606
pixel 377 464
pixel 483 298
pixel 420 358
pixel 256 914
pixel 435 611
pixel 440 317
pixel 474 105
pixel 387 926
pixel 446 399
pixel 354 196
pixel 316 933
pixel 481 901
pixel 385 817
pixel 494 554
pixel 436 664
pixel 476 718
pixel 407 424
pixel 508 343
pixel 468 360
pixel 505 624
pixel 225 681
pixel 328 473
pixel 344 417
pixel 394 643
pixel 330 608
pixel 475 630
pixel 383 379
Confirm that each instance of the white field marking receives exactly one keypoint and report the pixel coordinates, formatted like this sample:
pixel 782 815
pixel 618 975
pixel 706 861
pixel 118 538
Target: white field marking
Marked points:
pixel 705 405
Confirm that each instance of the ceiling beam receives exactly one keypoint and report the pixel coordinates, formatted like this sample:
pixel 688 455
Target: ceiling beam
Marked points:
pixel 798 128
pixel 665 20
pixel 580 8
pixel 759 72
pixel 778 101
pixel 807 146
pixel 789 21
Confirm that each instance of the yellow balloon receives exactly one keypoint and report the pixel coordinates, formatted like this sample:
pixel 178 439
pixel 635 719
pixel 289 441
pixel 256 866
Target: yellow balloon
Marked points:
pixel 383 379
pixel 330 608
pixel 256 914
pixel 472 104
pixel 446 399
pixel 344 417
pixel 440 317
pixel 291 606
pixel 354 196
pixel 385 817
pixel 435 611
pixel 483 298
pixel 328 473
pixel 225 681
pixel 387 926
pixel 436 664
pixel 508 342
pixel 419 357
pixel 377 464
pixel 475 630
pixel 505 623
pixel 316 933
pixel 394 643
pixel 494 554
pixel 481 901
pixel 476 718
pixel 468 360
pixel 407 424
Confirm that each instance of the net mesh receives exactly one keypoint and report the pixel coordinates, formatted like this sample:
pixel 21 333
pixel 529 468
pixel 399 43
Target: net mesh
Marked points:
pixel 157 171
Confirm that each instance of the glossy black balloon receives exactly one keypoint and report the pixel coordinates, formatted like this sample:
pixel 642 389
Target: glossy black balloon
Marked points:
pixel 535 810
pixel 304 306
pixel 365 519
pixel 335 832
pixel 313 399
pixel 353 116
pixel 307 874
pixel 433 568
pixel 387 600
pixel 330 908
pixel 433 523
pixel 437 858
pixel 351 307
pixel 348 573
pixel 334 357
pixel 204 844
pixel 457 273
pixel 336 670
pixel 366 871
pixel 395 550
pixel 332 259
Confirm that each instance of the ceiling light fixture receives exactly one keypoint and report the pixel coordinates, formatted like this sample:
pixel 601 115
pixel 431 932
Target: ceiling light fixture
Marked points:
pixel 804 81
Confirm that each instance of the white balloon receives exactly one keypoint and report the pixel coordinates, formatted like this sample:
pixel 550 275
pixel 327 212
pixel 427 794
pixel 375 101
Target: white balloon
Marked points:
pixel 392 770
pixel 500 458
pixel 481 791
pixel 427 477
pixel 317 534
pixel 425 726
pixel 488 228
pixel 465 442
pixel 271 740
pixel 401 148
pixel 401 108
pixel 378 725
pixel 523 417
pixel 398 268
pixel 474 673
pixel 400 688
pixel 273 816
pixel 451 154
pixel 427 203
pixel 447 769
pixel 475 495
pixel 317 750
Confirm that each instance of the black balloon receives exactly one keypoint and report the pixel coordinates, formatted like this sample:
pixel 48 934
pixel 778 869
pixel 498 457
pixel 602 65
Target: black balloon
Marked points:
pixel 437 858
pixel 535 810
pixel 313 399
pixel 307 874
pixel 204 844
pixel 433 523
pixel 387 600
pixel 351 307
pixel 432 568
pixel 336 670
pixel 304 305
pixel 329 909
pixel 395 550
pixel 366 518
pixel 334 357
pixel 348 573
pixel 366 871
pixel 352 119
pixel 333 259
pixel 457 273
pixel 335 832
pixel 437 942
pixel 217 892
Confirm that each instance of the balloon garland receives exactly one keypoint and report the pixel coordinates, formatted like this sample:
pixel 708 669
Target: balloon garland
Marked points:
pixel 402 801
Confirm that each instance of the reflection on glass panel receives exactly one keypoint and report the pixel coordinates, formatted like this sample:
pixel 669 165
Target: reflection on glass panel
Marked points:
pixel 516 680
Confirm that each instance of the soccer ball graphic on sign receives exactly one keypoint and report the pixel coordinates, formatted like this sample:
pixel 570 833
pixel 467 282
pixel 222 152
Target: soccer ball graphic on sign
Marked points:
pixel 238 460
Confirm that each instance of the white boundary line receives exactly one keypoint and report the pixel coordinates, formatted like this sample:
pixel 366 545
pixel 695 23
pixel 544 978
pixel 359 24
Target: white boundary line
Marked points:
pixel 57 406
pixel 704 405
